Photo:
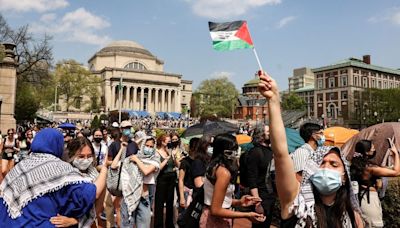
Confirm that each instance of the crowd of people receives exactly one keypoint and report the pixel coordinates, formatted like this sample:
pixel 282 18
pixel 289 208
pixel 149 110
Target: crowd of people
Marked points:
pixel 66 178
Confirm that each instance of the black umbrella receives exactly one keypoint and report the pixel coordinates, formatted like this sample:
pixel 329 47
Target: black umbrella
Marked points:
pixel 210 128
pixel 66 126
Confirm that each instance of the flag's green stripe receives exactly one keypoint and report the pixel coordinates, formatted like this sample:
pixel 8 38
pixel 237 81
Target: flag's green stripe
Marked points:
pixel 230 45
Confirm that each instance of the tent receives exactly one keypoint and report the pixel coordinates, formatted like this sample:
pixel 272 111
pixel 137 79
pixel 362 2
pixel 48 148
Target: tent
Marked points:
pixel 337 136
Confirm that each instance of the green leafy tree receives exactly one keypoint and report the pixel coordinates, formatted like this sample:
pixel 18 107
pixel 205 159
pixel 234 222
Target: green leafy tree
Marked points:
pixel 74 81
pixel 96 122
pixel 215 97
pixel 293 101
pixel 27 103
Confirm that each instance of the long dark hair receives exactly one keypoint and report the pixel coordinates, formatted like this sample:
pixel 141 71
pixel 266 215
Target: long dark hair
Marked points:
pixel 342 204
pixel 201 149
pixel 221 143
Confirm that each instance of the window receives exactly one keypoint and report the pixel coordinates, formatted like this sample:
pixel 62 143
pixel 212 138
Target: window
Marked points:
pixel 391 85
pixel 320 97
pixel 355 81
pixel 332 96
pixel 379 84
pixel 331 82
pixel 365 82
pixel 135 66
pixel 183 87
pixel 355 71
pixel 373 83
pixel 320 84
pixel 343 95
pixel 78 102
pixel 343 72
pixel 344 80
pixel 385 85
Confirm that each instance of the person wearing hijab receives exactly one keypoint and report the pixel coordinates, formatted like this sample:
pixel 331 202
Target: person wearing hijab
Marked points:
pixel 43 186
pixel 324 197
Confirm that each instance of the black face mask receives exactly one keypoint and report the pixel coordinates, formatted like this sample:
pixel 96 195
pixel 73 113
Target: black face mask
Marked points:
pixel 371 156
pixel 267 141
pixel 174 144
pixel 169 145
pixel 97 140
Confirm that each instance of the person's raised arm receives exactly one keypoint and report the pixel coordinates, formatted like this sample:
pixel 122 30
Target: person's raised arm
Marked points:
pixel 145 169
pixel 286 182
pixel 100 181
pixel 115 162
pixel 386 172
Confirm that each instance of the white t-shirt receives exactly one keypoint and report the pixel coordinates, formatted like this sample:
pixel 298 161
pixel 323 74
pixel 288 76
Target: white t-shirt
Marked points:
pixel 151 178
pixel 209 190
pixel 100 155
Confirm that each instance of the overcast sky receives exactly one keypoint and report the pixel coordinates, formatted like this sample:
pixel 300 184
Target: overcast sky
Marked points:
pixel 287 33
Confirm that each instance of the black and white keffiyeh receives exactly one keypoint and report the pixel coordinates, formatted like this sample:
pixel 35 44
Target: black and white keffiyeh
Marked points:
pixel 35 176
pixel 304 205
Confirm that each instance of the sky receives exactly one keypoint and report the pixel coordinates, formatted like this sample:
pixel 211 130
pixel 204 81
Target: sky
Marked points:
pixel 287 34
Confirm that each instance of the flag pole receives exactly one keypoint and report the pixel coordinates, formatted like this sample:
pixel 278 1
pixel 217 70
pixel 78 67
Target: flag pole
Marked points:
pixel 120 99
pixel 258 60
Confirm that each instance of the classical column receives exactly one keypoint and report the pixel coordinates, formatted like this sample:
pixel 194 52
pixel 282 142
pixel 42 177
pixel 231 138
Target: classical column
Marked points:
pixel 126 103
pixel 149 104
pixel 141 99
pixel 162 100
pixel 156 106
pixel 177 101
pixel 111 102
pixel 169 100
pixel 134 107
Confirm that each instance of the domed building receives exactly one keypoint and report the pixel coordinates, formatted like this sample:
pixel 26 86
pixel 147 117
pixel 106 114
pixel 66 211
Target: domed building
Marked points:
pixel 145 85
pixel 251 105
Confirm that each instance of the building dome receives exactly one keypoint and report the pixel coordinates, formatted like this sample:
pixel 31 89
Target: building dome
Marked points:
pixel 252 83
pixel 126 46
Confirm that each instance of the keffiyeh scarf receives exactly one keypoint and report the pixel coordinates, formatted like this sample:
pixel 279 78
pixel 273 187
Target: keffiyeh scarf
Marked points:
pixel 304 205
pixel 88 219
pixel 132 180
pixel 35 176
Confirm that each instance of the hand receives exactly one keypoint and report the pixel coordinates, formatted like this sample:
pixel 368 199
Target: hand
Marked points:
pixel 393 148
pixel 134 158
pixel 248 200
pixel 124 144
pixel 255 217
pixel 182 203
pixel 267 86
pixel 63 221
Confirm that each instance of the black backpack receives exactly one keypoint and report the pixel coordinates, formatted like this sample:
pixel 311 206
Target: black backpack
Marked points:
pixel 243 169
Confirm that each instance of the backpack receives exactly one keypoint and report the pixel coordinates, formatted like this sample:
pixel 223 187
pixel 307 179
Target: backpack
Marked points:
pixel 113 180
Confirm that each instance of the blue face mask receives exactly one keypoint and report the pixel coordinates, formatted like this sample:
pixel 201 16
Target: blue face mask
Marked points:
pixel 321 141
pixel 126 132
pixel 148 150
pixel 326 181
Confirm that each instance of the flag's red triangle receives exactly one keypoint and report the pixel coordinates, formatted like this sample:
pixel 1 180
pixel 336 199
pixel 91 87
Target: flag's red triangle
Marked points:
pixel 243 33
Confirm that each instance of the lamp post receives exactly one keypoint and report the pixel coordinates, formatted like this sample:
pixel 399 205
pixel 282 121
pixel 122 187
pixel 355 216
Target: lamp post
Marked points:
pixel 323 120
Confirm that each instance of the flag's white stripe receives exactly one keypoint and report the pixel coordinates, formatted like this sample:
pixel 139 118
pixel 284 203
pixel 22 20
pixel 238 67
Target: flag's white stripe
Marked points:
pixel 224 36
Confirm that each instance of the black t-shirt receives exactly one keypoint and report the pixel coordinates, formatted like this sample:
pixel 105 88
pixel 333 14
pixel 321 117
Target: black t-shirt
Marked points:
pixel 186 165
pixel 258 161
pixel 198 168
pixel 113 149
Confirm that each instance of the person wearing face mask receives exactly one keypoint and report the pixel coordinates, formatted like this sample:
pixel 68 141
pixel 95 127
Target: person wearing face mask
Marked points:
pixel 366 174
pixel 258 163
pixel 138 172
pixel 324 198
pixel 100 149
pixel 81 156
pixel 313 135
pixel 219 187
pixel 114 148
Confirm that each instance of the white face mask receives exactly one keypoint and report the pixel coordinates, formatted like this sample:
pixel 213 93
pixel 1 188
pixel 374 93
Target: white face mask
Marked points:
pixel 210 151
pixel 82 163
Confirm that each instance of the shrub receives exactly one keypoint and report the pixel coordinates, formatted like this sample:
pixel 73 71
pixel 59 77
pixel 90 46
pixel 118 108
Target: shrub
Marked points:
pixel 391 204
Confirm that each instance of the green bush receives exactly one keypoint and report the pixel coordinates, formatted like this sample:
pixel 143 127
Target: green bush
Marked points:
pixel 391 204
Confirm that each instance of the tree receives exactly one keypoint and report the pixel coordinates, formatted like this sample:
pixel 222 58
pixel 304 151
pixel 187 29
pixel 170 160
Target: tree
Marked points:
pixel 27 103
pixel 293 101
pixel 96 122
pixel 215 97
pixel 34 58
pixel 74 81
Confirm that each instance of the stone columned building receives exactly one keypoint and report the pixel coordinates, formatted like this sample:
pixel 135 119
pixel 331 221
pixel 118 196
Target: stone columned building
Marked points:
pixel 145 85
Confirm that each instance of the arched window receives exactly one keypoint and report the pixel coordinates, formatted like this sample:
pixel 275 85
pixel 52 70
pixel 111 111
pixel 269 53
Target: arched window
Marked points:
pixel 135 66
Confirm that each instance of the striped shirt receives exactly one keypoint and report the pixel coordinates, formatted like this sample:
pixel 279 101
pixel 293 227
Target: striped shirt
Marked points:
pixel 300 157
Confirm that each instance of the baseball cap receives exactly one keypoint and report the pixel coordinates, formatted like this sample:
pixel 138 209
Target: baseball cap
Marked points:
pixel 125 124
pixel 115 124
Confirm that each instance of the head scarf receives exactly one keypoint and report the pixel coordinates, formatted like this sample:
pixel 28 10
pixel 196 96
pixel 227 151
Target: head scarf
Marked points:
pixel 304 204
pixel 48 141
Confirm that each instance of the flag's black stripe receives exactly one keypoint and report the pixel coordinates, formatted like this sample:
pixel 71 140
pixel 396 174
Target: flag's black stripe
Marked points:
pixel 226 26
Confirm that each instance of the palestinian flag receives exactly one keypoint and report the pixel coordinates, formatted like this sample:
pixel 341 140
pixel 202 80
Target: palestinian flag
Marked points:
pixel 230 35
